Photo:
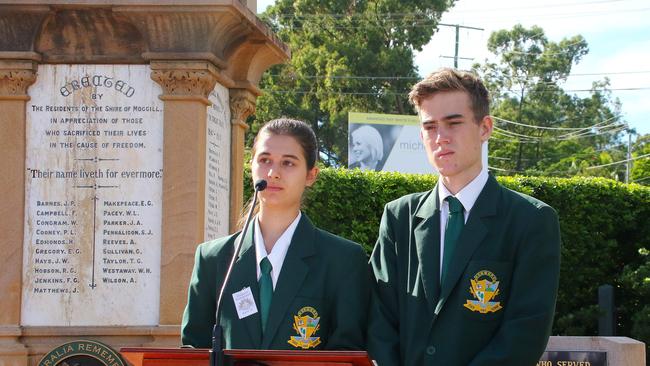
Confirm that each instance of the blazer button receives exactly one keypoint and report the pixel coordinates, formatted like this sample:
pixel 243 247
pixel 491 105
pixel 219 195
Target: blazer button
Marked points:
pixel 431 350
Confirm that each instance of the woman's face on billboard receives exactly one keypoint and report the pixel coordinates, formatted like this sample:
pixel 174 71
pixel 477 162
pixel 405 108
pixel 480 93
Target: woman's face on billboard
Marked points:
pixel 360 149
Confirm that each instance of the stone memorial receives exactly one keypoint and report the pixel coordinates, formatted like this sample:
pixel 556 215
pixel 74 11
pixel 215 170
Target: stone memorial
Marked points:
pixel 573 358
pixel 122 132
pixel 217 193
pixel 593 351
pixel 93 196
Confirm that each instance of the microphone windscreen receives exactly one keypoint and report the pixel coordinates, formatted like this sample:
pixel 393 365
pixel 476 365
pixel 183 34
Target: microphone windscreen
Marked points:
pixel 260 185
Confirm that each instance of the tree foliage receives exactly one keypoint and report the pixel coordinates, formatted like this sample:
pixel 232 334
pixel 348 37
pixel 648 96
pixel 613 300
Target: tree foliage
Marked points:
pixel 570 135
pixel 335 45
pixel 605 236
pixel 641 166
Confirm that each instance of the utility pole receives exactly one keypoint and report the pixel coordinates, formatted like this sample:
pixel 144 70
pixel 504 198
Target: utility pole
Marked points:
pixel 629 157
pixel 458 26
pixel 628 163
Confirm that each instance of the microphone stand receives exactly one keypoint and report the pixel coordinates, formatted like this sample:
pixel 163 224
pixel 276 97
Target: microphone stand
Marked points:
pixel 216 353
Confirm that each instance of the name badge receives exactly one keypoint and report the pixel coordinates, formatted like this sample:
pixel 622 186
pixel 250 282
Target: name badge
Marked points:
pixel 244 303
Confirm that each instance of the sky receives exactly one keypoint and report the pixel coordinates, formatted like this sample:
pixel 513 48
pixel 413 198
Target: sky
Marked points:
pixel 617 32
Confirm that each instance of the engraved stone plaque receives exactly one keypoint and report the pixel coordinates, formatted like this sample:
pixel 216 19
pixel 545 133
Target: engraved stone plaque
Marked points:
pixel 93 197
pixel 217 187
pixel 573 358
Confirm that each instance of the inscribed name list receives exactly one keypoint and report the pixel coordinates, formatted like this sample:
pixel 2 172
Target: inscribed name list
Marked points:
pixel 93 197
pixel 217 164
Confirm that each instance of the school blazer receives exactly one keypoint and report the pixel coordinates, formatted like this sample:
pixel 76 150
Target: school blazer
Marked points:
pixel 510 243
pixel 324 277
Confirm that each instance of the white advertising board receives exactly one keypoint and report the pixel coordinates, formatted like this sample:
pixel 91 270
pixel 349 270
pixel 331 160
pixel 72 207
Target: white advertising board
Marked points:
pixel 388 142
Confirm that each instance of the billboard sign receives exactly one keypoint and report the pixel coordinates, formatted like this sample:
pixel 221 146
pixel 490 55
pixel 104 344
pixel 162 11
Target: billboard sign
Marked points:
pixel 388 142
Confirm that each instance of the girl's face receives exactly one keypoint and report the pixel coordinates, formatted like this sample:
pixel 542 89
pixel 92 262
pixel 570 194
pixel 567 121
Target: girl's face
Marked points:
pixel 280 160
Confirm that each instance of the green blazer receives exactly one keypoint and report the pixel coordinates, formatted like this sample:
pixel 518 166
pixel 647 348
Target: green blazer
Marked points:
pixel 510 243
pixel 323 276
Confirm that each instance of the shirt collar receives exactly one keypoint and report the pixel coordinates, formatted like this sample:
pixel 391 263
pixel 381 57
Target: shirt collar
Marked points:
pixel 469 194
pixel 280 247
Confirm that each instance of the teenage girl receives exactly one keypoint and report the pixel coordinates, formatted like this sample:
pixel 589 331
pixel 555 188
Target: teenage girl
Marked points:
pixel 293 285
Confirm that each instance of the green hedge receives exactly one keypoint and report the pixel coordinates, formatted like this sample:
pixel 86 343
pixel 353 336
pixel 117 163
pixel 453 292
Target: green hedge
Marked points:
pixel 605 233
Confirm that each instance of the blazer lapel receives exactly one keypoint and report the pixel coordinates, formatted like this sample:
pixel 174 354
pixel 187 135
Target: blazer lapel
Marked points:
pixel 293 273
pixel 427 243
pixel 244 274
pixel 471 237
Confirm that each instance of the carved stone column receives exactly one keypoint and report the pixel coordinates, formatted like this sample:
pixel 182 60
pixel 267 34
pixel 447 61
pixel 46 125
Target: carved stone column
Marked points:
pixel 242 105
pixel 15 78
pixel 186 86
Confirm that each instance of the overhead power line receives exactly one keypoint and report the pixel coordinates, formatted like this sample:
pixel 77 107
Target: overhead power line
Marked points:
pixel 509 140
pixel 352 77
pixel 411 20
pixel 386 77
pixel 521 138
pixel 406 92
pixel 550 53
pixel 620 161
pixel 420 18
pixel 598 127
pixel 611 73
pixel 562 5
pixel 500 18
pixel 514 134
pixel 545 6
pixel 553 128
pixel 641 179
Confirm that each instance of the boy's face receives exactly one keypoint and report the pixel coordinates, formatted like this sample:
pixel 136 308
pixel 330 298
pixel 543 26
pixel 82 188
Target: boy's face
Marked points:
pixel 451 135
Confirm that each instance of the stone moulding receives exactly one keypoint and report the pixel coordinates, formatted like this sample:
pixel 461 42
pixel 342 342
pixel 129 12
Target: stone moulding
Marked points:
pixel 184 82
pixel 15 82
pixel 242 105
pixel 15 77
pixel 224 33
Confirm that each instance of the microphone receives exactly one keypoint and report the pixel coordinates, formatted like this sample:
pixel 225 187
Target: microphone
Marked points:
pixel 260 185
pixel 216 353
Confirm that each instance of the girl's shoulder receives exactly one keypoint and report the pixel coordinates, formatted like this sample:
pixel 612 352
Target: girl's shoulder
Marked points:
pixel 338 245
pixel 218 247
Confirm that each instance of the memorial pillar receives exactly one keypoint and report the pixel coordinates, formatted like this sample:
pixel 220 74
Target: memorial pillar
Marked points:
pixel 15 78
pixel 242 105
pixel 186 86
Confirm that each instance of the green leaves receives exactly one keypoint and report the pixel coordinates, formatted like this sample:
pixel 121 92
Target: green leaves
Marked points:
pixel 552 133
pixel 641 166
pixel 604 225
pixel 346 56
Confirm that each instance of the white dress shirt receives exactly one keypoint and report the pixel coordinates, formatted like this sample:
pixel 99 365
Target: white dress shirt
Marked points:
pixel 279 251
pixel 467 196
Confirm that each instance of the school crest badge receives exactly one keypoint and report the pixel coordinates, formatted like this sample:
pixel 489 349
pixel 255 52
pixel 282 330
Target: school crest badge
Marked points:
pixel 485 288
pixel 305 323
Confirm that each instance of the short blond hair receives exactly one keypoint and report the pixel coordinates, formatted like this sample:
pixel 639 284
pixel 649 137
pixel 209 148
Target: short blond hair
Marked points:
pixel 447 79
pixel 370 137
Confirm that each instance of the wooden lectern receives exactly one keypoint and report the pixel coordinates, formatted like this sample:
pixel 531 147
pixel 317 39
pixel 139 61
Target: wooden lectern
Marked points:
pixel 242 357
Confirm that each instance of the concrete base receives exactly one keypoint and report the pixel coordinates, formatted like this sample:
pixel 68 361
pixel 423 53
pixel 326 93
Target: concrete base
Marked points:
pixel 12 353
pixel 27 345
pixel 621 351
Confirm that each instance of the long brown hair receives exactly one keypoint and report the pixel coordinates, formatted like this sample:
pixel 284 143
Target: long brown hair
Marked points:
pixel 300 131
